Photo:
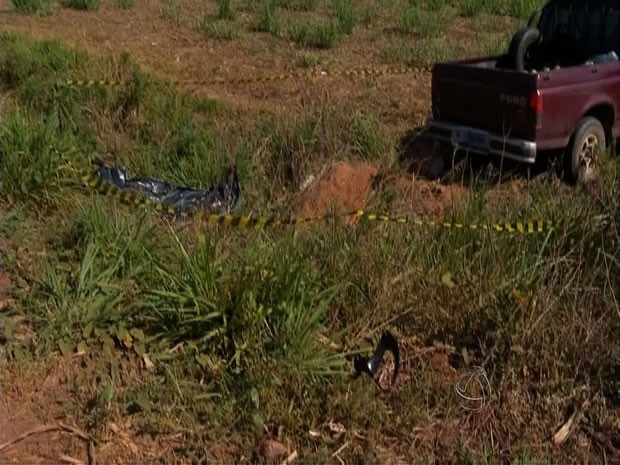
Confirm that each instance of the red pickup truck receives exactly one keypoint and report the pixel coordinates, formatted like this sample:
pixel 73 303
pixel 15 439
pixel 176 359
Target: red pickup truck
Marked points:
pixel 558 87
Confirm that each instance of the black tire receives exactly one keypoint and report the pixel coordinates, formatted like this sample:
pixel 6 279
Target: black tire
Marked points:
pixel 585 145
pixel 523 39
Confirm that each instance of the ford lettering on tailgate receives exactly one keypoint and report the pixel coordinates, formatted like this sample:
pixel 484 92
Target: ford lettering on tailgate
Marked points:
pixel 509 99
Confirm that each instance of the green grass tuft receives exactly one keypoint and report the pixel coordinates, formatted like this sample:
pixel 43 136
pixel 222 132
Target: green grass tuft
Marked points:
pixel 42 7
pixel 267 20
pixel 90 5
pixel 346 14
pixel 321 35
pixel 217 29
pixel 225 10
pixel 125 4
pixel 171 10
pixel 298 5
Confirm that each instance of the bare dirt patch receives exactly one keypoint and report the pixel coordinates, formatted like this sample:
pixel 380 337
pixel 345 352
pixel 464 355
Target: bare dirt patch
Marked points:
pixel 38 399
pixel 427 199
pixel 32 399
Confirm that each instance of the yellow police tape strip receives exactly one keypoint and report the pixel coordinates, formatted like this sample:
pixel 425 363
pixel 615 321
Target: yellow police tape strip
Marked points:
pixel 353 72
pixel 100 185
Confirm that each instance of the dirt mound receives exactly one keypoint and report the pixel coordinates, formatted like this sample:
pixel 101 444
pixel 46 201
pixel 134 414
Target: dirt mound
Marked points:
pixel 345 186
pixel 426 198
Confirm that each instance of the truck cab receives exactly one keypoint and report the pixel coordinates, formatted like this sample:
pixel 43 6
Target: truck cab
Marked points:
pixel 557 87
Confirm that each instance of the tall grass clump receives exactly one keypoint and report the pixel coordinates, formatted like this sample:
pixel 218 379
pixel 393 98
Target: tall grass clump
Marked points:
pixel 125 4
pixel 42 7
pixel 321 35
pixel 267 20
pixel 298 5
pixel 472 8
pixel 217 29
pixel 345 12
pixel 225 10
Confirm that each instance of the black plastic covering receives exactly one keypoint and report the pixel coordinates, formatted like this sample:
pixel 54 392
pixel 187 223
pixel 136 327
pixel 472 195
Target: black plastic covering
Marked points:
pixel 218 199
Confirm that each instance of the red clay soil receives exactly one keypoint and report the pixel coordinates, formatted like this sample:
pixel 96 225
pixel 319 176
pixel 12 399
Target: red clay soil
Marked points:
pixel 346 187
pixel 426 199
pixel 36 396
pixel 28 404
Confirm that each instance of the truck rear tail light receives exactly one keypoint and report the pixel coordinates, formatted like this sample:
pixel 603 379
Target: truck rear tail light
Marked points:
pixel 536 101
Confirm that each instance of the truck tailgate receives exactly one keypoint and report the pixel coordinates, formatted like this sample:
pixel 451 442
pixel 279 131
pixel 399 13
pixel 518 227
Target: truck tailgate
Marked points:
pixel 486 98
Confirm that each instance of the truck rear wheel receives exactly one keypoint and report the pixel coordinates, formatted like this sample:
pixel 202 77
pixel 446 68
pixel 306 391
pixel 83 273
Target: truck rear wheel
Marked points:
pixel 582 158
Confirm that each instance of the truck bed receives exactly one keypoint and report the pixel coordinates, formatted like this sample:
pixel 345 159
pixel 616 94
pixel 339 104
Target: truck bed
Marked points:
pixel 475 93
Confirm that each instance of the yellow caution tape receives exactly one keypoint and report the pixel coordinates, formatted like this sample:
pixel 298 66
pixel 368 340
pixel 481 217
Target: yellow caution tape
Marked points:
pixel 103 187
pixel 352 72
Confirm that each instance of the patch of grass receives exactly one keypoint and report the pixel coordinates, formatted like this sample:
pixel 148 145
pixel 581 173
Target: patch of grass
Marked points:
pixel 369 142
pixel 345 14
pixel 428 25
pixel 432 51
pixel 409 19
pixel 171 10
pixel 492 45
pixel 125 4
pixel 368 14
pixel 472 8
pixel 225 10
pixel 434 25
pixel 322 35
pixel 89 5
pixel 436 5
pixel 43 7
pixel 523 9
pixel 308 60
pixel 425 53
pixel 27 162
pixel 298 5
pixel 217 29
pixel 267 20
